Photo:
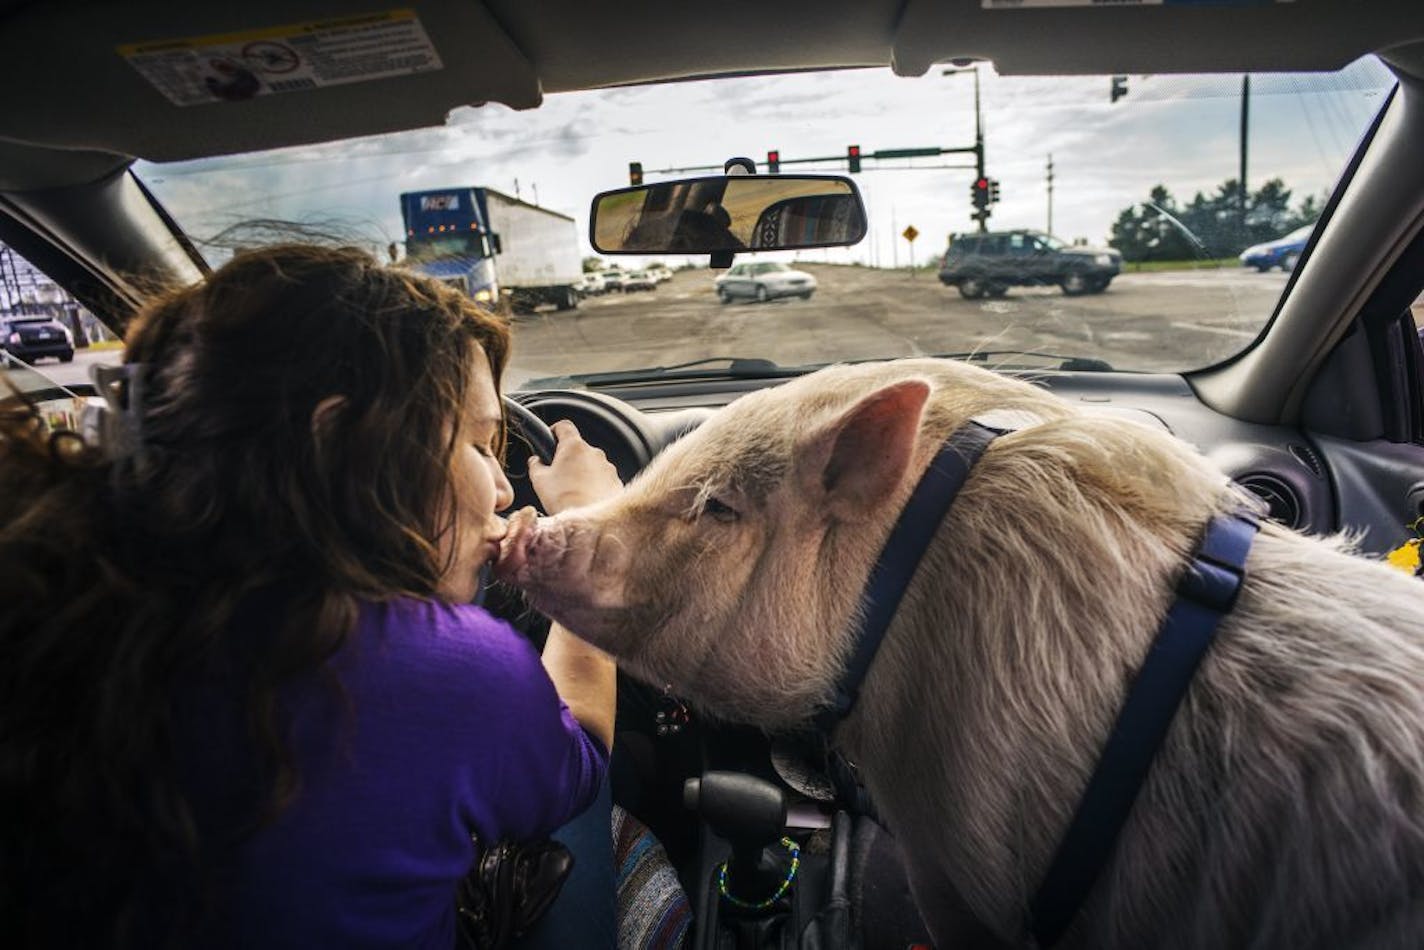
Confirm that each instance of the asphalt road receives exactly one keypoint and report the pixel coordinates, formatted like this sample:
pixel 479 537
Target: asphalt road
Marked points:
pixel 1169 321
pixel 68 374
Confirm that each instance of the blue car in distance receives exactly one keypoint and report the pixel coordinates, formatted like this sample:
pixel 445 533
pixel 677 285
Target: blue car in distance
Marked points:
pixel 1282 252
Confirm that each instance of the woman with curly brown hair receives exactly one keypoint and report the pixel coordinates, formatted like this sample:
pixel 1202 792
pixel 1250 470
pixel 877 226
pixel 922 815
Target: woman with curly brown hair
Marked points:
pixel 243 697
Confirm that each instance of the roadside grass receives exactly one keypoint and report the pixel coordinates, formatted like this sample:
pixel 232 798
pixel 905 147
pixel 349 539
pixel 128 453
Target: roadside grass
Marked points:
pixel 107 345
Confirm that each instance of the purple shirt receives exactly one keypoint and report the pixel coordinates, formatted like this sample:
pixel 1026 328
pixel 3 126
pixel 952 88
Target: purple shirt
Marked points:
pixel 453 727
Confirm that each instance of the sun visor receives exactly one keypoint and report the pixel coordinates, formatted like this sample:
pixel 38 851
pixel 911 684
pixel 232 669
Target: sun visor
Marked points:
pixel 1087 37
pixel 167 82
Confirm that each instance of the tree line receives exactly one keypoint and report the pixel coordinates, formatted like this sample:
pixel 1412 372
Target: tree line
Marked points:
pixel 1208 226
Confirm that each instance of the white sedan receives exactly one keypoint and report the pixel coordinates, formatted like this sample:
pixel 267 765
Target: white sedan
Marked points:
pixel 590 284
pixel 639 280
pixel 764 280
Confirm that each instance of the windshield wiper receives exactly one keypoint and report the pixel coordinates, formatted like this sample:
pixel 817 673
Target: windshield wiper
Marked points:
pixel 1072 364
pixel 736 367
pixel 740 367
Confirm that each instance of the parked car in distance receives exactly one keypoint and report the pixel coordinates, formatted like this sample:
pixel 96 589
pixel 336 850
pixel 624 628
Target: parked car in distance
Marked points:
pixel 660 274
pixel 639 280
pixel 30 337
pixel 762 281
pixel 1282 252
pixel 987 265
pixel 613 279
pixel 591 284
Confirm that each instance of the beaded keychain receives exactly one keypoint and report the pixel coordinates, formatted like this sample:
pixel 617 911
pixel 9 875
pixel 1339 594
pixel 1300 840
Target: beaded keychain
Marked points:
pixel 793 849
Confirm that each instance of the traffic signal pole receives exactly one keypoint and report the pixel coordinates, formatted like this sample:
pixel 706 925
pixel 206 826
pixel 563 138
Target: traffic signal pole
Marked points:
pixel 848 158
pixel 984 192
pixel 981 210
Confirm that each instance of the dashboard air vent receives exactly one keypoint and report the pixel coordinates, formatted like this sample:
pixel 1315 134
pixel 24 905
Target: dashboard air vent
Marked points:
pixel 1282 502
pixel 1309 458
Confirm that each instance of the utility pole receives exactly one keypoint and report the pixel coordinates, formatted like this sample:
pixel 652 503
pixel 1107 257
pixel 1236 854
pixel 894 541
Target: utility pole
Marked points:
pixel 1245 114
pixel 979 148
pixel 1050 192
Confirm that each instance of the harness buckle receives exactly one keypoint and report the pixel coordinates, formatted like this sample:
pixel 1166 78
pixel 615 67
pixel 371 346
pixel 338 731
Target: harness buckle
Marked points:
pixel 1214 577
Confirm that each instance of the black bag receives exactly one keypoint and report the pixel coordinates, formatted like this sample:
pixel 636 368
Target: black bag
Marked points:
pixel 508 890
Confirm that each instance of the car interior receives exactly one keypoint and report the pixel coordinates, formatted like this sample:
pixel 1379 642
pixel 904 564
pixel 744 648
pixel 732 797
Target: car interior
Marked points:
pixel 1322 414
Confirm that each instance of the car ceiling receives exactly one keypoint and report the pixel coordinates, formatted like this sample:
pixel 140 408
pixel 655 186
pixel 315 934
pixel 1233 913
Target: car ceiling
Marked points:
pixel 85 110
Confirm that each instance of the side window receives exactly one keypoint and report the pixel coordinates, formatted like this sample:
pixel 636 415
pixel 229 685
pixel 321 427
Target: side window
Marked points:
pixel 1018 244
pixel 992 245
pixel 47 340
pixel 1418 310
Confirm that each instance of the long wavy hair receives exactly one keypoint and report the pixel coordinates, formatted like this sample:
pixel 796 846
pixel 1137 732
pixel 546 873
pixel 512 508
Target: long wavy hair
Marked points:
pixel 119 579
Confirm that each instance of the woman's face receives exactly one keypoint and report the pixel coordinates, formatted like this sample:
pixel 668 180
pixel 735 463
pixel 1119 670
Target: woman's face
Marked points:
pixel 479 490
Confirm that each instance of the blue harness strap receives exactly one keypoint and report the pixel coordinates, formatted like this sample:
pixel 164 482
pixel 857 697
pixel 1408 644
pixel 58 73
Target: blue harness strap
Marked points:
pixel 1206 592
pixel 916 527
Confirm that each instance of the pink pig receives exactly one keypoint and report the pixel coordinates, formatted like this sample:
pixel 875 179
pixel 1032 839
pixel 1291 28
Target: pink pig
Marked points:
pixel 1286 807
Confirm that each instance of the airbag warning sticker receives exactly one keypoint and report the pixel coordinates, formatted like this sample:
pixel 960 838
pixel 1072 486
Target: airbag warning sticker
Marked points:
pixel 232 67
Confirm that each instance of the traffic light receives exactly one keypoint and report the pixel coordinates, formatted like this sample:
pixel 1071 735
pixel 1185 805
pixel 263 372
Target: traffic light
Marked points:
pixel 993 191
pixel 773 162
pixel 979 192
pixel 635 173
pixel 853 157
pixel 1119 87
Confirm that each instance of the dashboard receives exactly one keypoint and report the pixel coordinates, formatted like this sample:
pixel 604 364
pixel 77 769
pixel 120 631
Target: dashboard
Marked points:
pixel 632 422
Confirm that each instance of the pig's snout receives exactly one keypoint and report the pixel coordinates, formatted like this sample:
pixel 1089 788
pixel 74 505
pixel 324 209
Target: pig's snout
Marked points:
pixel 520 542
pixel 534 547
pixel 564 563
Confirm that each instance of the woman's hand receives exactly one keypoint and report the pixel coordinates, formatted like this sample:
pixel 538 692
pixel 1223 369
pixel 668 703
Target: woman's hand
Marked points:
pixel 580 474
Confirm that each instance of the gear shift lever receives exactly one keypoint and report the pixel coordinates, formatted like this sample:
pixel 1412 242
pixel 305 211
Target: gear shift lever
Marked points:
pixel 750 813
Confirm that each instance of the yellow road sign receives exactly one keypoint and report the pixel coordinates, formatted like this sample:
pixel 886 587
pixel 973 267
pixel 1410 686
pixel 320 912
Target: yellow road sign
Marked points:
pixel 910 234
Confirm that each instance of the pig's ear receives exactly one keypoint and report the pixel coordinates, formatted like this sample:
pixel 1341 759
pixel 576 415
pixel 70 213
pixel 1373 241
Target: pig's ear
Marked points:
pixel 858 460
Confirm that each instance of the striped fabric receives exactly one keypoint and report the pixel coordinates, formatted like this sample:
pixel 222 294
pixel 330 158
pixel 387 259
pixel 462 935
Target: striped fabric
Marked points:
pixel 653 910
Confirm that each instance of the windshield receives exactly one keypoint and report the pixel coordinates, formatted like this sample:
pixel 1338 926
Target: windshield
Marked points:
pixel 434 248
pixel 1111 219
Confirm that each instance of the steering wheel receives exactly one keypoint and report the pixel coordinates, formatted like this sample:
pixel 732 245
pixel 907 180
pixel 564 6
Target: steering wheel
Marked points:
pixel 529 427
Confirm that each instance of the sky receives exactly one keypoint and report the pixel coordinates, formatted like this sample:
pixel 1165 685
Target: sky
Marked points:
pixel 1180 131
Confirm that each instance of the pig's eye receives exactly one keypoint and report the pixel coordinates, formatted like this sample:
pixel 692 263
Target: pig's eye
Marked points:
pixel 719 510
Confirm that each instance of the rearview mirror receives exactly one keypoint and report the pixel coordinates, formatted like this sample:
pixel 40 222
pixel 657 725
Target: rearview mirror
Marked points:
pixel 728 213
